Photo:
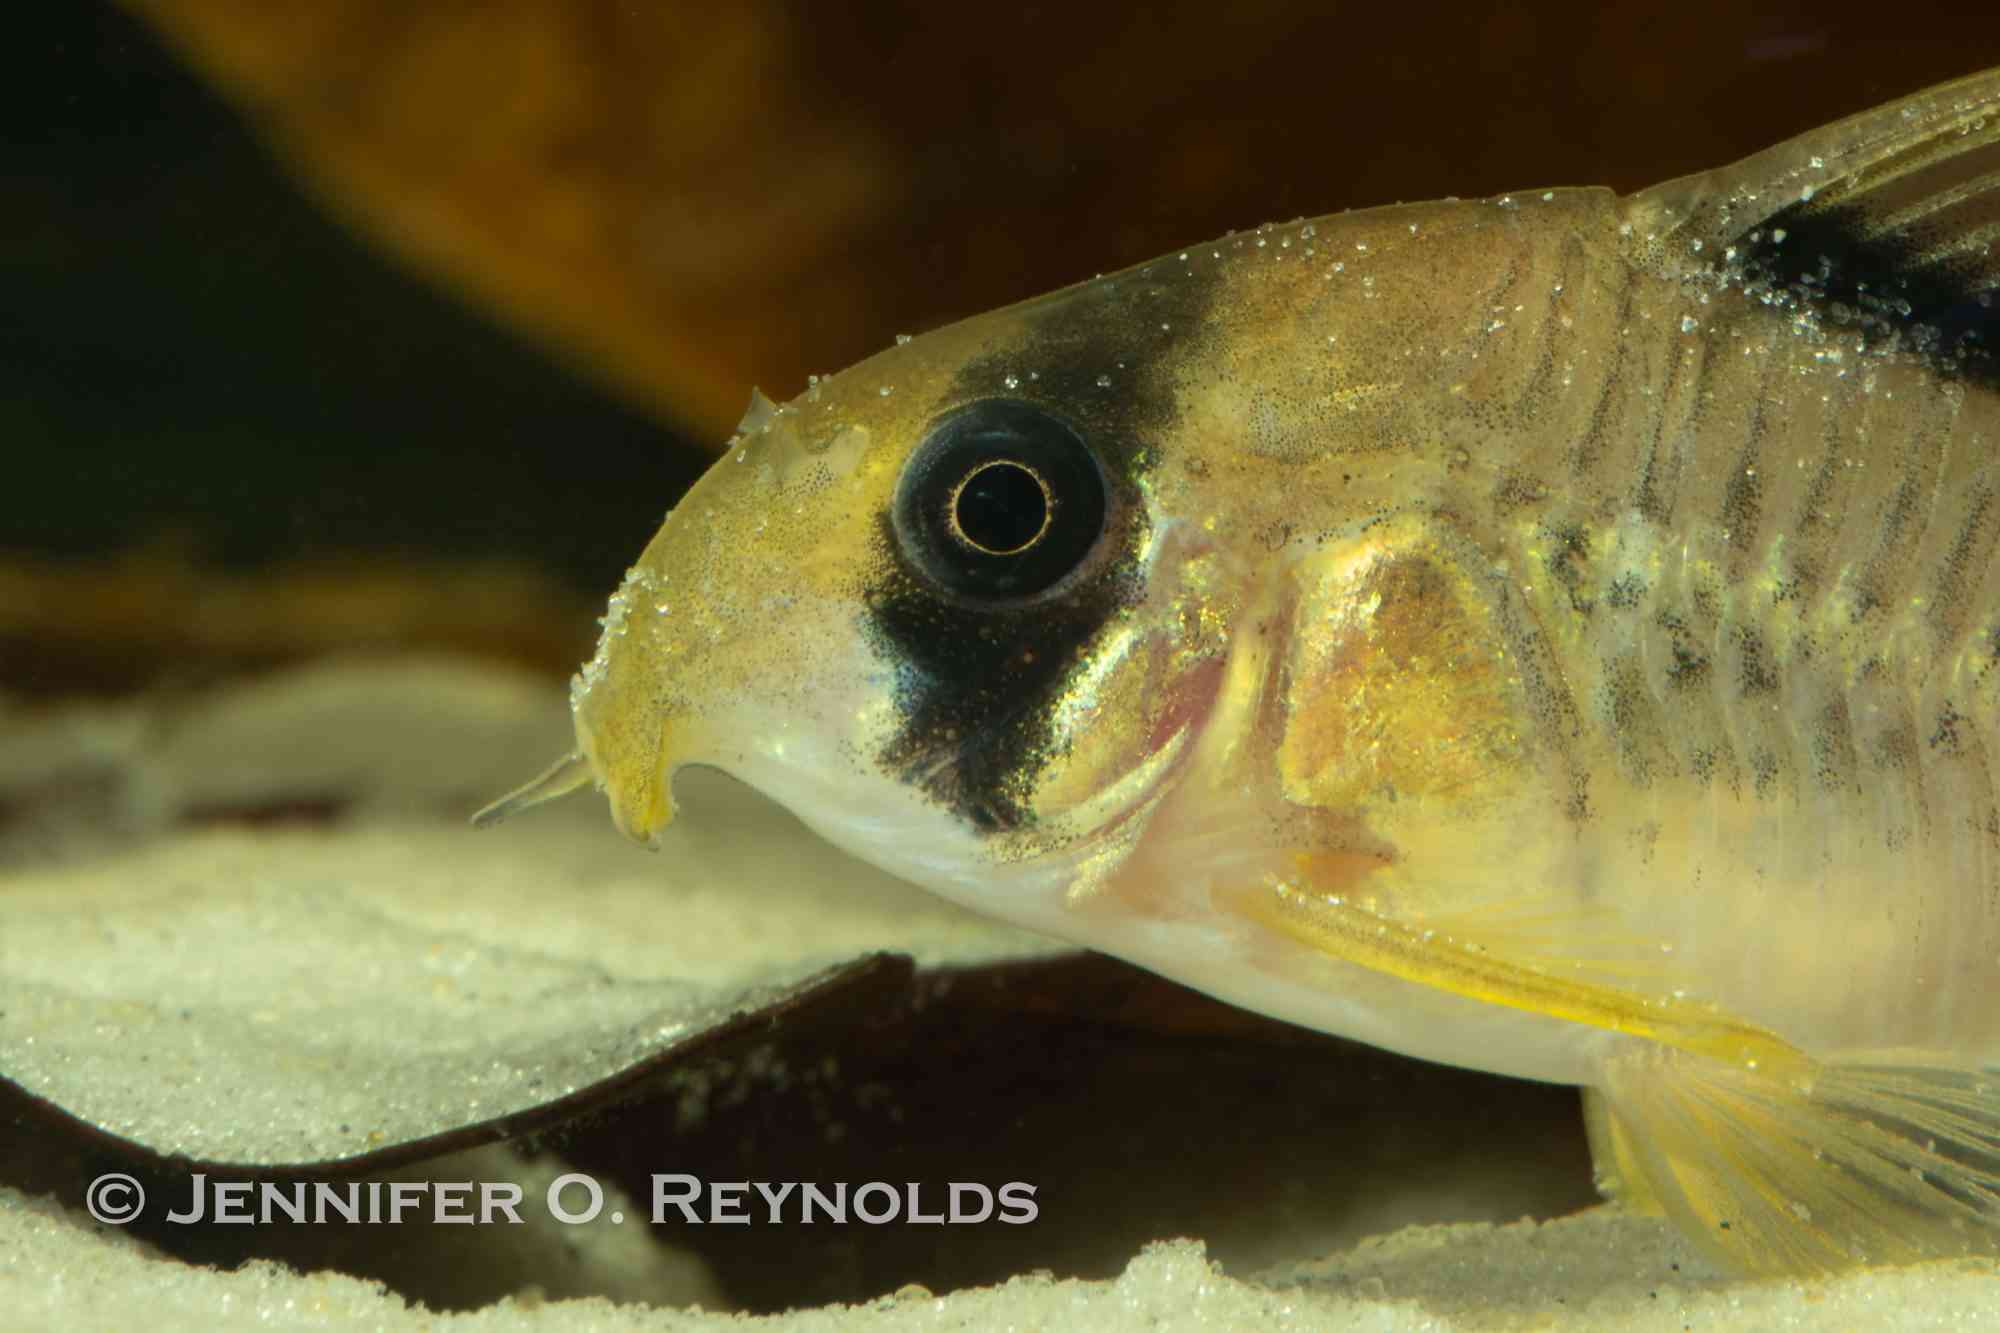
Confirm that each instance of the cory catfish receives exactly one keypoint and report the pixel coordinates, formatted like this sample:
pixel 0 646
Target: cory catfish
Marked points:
pixel 1554 634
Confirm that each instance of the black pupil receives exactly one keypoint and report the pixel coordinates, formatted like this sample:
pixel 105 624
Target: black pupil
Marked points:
pixel 1001 508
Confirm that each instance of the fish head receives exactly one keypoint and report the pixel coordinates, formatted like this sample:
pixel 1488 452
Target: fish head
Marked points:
pixel 976 608
pixel 942 606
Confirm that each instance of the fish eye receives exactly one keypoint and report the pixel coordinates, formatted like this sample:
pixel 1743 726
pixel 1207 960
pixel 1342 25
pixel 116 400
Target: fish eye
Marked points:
pixel 999 501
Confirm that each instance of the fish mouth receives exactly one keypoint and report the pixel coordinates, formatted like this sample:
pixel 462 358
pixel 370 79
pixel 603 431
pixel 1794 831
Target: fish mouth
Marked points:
pixel 639 809
pixel 638 780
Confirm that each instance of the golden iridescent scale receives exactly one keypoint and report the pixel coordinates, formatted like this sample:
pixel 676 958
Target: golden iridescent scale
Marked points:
pixel 1554 634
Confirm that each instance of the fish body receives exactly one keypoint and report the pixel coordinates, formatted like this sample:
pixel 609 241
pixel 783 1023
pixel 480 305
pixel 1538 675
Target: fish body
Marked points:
pixel 1556 634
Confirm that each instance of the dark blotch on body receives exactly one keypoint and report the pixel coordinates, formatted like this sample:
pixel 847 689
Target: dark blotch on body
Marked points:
pixel 1568 555
pixel 1945 737
pixel 1831 746
pixel 1757 674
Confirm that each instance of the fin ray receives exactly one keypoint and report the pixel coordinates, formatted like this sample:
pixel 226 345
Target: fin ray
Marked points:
pixel 1861 1163
pixel 1539 931
pixel 1360 935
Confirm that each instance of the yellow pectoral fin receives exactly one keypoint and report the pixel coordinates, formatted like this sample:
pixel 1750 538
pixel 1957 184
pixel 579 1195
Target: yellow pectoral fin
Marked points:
pixel 1428 957
pixel 1772 1161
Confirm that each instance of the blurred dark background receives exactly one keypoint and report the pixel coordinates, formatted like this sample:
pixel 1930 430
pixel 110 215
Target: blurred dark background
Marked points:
pixel 198 359
pixel 192 350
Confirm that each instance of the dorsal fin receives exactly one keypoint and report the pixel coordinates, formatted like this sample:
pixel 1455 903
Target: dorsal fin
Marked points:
pixel 1888 221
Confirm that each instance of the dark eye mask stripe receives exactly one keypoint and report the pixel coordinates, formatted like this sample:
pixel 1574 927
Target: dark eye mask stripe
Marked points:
pixel 978 681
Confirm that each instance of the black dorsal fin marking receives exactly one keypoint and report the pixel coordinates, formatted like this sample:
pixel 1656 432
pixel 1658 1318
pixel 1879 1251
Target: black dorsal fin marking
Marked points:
pixel 1831 261
pixel 1888 221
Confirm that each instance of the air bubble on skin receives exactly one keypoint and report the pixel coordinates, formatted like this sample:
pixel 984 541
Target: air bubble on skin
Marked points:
pixel 1548 196
pixel 1103 381
pixel 902 340
pixel 886 390
pixel 1012 381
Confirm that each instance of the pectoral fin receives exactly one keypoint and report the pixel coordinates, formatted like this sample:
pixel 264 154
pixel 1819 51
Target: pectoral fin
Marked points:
pixel 1771 1160
pixel 1467 967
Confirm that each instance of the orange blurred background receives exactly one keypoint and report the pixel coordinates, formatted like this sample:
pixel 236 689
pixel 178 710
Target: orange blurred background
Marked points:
pixel 431 291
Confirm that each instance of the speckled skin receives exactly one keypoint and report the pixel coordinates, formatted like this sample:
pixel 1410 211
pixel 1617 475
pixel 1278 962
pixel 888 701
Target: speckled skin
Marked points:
pixel 1557 587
